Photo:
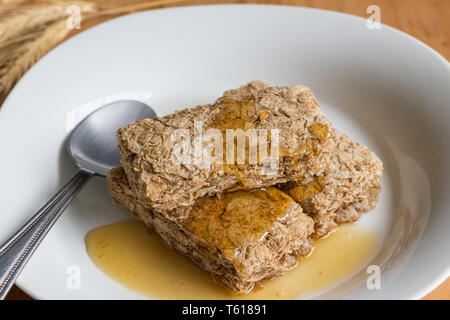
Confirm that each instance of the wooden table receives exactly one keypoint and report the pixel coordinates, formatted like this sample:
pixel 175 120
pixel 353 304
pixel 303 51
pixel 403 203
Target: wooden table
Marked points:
pixel 427 20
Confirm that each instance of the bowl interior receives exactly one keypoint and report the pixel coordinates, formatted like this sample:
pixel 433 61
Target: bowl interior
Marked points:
pixel 381 87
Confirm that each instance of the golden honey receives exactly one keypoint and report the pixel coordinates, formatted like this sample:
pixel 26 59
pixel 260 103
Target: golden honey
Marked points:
pixel 318 130
pixel 237 218
pixel 136 258
pixel 301 192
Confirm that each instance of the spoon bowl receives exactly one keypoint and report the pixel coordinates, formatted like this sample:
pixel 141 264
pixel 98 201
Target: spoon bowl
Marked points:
pixel 92 145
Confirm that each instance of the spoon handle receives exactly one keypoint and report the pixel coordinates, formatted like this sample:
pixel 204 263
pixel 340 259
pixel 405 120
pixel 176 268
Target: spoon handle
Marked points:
pixel 15 252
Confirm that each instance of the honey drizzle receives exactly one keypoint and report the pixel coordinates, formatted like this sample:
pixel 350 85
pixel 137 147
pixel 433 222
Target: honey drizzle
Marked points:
pixel 136 258
pixel 237 218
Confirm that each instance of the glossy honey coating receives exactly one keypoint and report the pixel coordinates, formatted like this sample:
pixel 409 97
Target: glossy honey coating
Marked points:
pixel 305 191
pixel 238 218
pixel 235 114
pixel 319 130
pixel 162 184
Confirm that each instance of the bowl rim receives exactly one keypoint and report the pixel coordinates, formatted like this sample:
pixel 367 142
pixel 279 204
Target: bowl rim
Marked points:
pixel 439 278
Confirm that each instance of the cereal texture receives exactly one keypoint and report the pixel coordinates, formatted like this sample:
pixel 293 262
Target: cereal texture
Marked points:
pixel 161 183
pixel 238 221
pixel 240 238
pixel 345 185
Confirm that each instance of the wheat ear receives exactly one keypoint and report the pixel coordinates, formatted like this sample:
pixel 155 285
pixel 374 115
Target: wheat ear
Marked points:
pixel 33 51
pixel 17 21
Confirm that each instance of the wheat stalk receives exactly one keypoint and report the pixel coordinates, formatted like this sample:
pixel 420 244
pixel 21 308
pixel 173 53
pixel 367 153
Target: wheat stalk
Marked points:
pixel 28 32
pixel 5 2
pixel 8 4
pixel 29 29
pixel 31 52
pixel 16 21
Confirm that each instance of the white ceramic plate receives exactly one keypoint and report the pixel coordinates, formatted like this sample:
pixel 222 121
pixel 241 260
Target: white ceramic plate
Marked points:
pixel 382 87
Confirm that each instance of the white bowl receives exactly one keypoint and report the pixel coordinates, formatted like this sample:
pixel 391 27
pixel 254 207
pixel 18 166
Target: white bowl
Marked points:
pixel 382 87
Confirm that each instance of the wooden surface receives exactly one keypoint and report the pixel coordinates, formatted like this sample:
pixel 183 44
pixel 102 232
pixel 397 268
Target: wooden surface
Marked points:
pixel 427 20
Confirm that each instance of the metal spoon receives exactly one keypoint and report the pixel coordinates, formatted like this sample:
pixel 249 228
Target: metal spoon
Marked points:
pixel 92 146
